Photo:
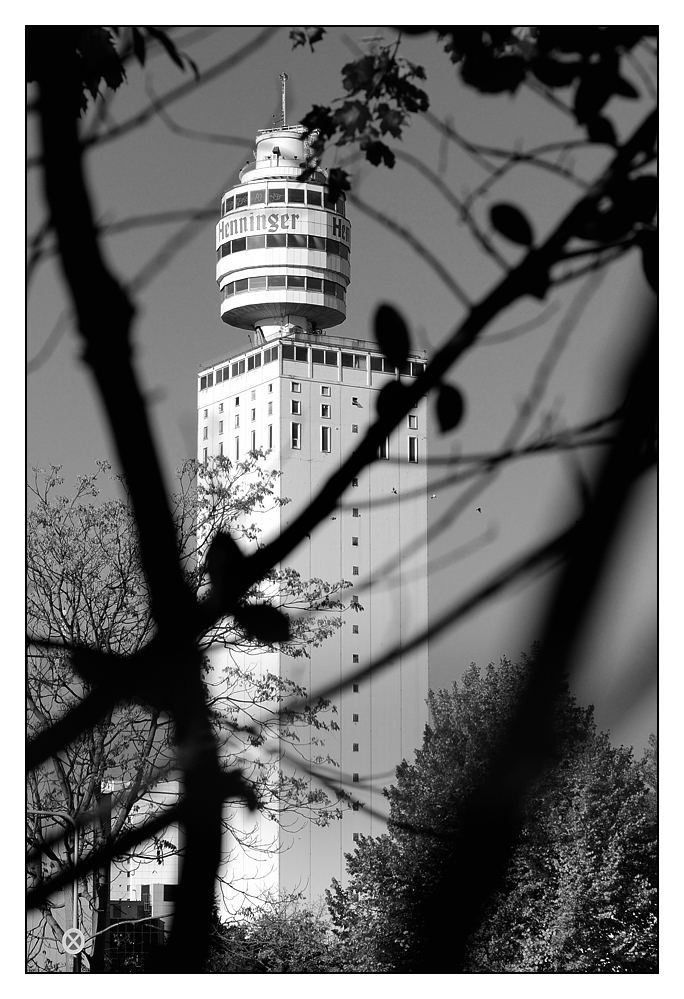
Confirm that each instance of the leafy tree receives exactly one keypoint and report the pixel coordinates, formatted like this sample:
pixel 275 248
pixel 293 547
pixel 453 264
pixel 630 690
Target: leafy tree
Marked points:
pixel 579 894
pixel 86 587
pixel 283 937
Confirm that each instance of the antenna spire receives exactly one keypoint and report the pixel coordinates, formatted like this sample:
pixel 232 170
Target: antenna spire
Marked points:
pixel 283 84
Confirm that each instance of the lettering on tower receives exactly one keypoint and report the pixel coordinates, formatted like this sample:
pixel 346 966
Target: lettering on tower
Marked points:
pixel 305 222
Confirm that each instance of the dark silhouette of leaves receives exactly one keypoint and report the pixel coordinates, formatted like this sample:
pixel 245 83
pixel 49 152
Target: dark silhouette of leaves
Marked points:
pixel 450 407
pixel 392 334
pixel 648 241
pixel 643 197
pixel 389 396
pixel 553 73
pixel 493 75
pixel 263 622
pixel 511 223
pixel 338 181
pixel 308 35
pixel 600 129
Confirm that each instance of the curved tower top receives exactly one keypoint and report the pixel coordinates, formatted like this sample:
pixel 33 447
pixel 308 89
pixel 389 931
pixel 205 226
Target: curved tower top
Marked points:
pixel 283 246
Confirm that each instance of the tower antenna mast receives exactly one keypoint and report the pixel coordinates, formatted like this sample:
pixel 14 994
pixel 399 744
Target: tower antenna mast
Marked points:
pixel 283 84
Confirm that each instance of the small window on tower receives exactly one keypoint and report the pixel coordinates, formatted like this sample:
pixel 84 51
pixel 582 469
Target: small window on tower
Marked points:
pixel 313 197
pixel 295 406
pixel 355 428
pixel 241 200
pixel 355 570
pixel 325 439
pixel 253 415
pixel 221 448
pixel 355 658
pixel 270 437
pixel 237 448
pixel 355 778
pixel 220 426
pixel 206 413
pixel 355 688
pixel 355 542
pixel 325 412
pixel 295 195
pixel 237 400
pixel 276 195
pixel 355 629
pixel 413 422
pixel 355 747
pixel 270 409
pixel 355 718
pixel 295 386
pixel 253 445
pixel 296 435
pixel 257 197
pixel 383 450
pixel 325 390
pixel 413 449
pixel 355 806
pixel 204 456
pixel 355 482
pixel 355 837
pixel 237 420
pixel 270 387
pixel 205 433
pixel 220 408
pixel 355 511
pixel 252 394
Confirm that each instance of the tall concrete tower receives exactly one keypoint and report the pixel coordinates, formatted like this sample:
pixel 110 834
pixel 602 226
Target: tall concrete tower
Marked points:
pixel 307 393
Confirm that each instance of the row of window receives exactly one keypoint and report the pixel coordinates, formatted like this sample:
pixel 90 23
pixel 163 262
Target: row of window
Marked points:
pixel 280 281
pixel 279 241
pixel 293 352
pixel 326 441
pixel 296 444
pixel 282 196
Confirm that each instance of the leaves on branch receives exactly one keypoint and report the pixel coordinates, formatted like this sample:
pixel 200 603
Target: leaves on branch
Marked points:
pixel 492 74
pixel 180 58
pixel 380 97
pixel 307 35
pixel 450 407
pixel 553 73
pixel 390 396
pixel 600 129
pixel 223 559
pixel 642 194
pixel 392 334
pixel 511 223
pixel 338 181
pixel 263 622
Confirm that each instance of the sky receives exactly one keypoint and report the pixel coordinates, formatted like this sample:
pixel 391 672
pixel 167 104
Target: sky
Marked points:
pixel 178 328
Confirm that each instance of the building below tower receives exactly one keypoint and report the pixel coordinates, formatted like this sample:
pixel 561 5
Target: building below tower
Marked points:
pixel 308 399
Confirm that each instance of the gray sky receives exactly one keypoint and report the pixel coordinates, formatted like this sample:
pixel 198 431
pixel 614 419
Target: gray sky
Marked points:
pixel 178 327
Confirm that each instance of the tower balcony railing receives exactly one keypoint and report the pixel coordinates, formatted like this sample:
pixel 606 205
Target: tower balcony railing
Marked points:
pixel 275 167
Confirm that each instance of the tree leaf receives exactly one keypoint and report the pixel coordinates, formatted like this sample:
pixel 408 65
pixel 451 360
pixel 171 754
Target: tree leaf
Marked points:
pixel 553 73
pixel 450 407
pixel 390 395
pixel 222 561
pixel 643 197
pixel 138 45
pixel 392 334
pixel 511 223
pixel 625 89
pixel 600 129
pixel 263 622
